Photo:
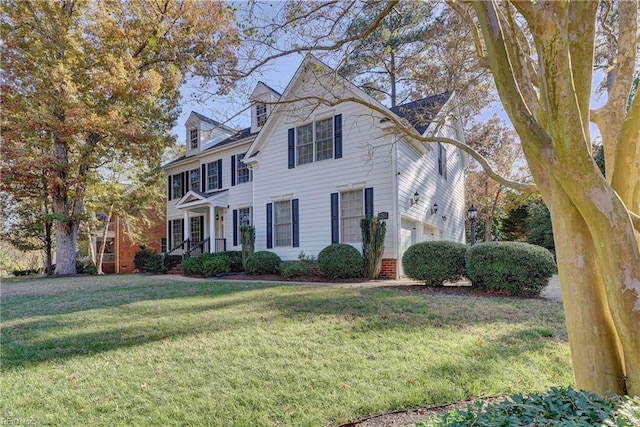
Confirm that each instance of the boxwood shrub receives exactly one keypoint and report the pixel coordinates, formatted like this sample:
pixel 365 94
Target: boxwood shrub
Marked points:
pixel 435 262
pixel 263 262
pixel 515 268
pixel 340 261
pixel 234 258
pixel 207 264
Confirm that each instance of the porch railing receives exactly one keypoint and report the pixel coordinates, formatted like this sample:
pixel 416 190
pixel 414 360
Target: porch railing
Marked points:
pixel 197 248
pixel 173 257
pixel 188 248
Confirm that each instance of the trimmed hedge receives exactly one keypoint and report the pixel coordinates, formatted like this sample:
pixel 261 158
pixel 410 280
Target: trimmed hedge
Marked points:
pixel 153 263
pixel 513 267
pixel 234 258
pixel 555 407
pixel 291 269
pixel 263 262
pixel 435 262
pixel 207 264
pixel 141 257
pixel 340 261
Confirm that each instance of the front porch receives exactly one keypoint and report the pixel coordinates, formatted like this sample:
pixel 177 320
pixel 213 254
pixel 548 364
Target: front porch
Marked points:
pixel 201 228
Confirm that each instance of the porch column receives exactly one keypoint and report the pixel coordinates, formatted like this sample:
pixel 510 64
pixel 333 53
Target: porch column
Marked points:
pixel 212 228
pixel 187 226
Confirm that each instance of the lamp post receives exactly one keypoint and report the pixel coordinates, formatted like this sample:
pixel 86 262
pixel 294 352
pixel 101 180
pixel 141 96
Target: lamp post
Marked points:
pixel 472 214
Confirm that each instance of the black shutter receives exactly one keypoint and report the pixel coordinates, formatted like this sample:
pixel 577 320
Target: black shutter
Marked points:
pixel 337 136
pixel 169 187
pixel 440 158
pixel 201 228
pixel 235 227
pixel 219 174
pixel 185 182
pixel 368 202
pixel 203 178
pixel 169 237
pixel 295 221
pixel 335 219
pixel 269 225
pixel 292 149
pixel 233 170
pixel 183 230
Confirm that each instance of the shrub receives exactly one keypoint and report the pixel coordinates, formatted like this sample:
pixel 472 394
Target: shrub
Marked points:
pixel 373 233
pixel 79 267
pixel 234 258
pixel 309 262
pixel 435 262
pixel 154 263
pixel 247 240
pixel 90 269
pixel 513 267
pixel 293 269
pixel 192 265
pixel 556 407
pixel 263 262
pixel 340 261
pixel 214 264
pixel 140 258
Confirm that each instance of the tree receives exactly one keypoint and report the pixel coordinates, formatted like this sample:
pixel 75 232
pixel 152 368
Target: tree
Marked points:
pixel 84 82
pixel 542 58
pixel 381 62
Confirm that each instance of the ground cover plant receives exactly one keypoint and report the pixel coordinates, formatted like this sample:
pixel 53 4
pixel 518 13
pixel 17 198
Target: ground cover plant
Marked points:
pixel 149 350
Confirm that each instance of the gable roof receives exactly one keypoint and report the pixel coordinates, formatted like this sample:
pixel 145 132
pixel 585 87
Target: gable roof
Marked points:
pixel 422 112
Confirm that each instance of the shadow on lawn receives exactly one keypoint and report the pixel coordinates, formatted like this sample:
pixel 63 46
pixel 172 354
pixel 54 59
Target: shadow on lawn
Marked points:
pixel 19 306
pixel 60 330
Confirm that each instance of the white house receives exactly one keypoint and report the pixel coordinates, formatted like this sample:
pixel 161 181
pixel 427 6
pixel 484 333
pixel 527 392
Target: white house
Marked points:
pixel 317 159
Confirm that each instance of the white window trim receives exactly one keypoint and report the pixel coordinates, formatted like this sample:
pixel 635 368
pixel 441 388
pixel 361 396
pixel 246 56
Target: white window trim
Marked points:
pixel 316 118
pixel 197 139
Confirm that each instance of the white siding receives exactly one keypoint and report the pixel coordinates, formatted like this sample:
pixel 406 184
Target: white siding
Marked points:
pixel 313 183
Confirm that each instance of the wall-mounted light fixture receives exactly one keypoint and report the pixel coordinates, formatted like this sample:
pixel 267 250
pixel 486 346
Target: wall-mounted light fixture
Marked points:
pixel 444 217
pixel 434 208
pixel 217 217
pixel 414 199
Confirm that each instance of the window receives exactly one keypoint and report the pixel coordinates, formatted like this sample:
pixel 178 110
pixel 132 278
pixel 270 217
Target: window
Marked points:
pixel 193 138
pixel 324 139
pixel 442 160
pixel 176 185
pixel 176 232
pixel 242 170
pixel 212 176
pixel 304 144
pixel 351 213
pixel 163 244
pixel 194 180
pixel 282 223
pixel 244 216
pixel 196 230
pixel 314 142
pixel 261 114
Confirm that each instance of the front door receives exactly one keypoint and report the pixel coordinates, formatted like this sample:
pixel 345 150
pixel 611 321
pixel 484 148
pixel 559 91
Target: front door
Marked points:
pixel 220 244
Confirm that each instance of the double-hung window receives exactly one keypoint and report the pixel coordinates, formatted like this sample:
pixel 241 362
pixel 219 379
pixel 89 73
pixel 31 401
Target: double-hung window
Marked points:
pixel 351 212
pixel 282 222
pixel 242 170
pixel 193 138
pixel 261 114
pixel 304 144
pixel 194 179
pixel 176 232
pixel 177 186
pixel 314 141
pixel 212 176
pixel 244 217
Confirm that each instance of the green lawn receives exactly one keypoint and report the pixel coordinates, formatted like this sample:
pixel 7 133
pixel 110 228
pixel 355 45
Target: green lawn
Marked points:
pixel 136 350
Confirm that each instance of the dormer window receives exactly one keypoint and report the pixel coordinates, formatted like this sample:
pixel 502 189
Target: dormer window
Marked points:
pixel 193 139
pixel 261 114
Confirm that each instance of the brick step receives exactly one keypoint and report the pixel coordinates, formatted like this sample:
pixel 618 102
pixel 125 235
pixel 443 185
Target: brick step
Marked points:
pixel 177 269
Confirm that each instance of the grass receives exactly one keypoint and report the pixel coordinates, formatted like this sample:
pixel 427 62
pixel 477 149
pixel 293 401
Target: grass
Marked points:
pixel 141 350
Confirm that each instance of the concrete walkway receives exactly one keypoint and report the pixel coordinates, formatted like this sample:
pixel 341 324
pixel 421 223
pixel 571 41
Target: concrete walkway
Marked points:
pixel 551 292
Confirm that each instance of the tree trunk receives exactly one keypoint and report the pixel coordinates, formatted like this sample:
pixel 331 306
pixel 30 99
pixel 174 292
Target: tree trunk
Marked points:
pixel 66 238
pixel 103 246
pixel 48 247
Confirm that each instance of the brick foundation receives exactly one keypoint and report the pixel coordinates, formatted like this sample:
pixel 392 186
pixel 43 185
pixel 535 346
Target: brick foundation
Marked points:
pixel 389 268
